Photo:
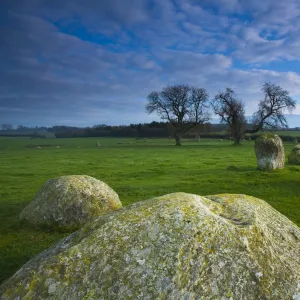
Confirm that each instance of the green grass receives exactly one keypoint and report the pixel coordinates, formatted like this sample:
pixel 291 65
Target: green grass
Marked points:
pixel 136 170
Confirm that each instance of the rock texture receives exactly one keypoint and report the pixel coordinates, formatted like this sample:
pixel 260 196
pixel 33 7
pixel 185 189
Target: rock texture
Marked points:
pixel 68 202
pixel 178 246
pixel 269 152
pixel 294 157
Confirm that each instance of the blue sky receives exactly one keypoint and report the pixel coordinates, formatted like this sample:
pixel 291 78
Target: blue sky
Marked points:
pixel 95 61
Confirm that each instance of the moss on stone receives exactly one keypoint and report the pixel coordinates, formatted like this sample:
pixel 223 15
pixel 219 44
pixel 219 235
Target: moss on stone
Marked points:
pixel 68 202
pixel 178 246
pixel 269 152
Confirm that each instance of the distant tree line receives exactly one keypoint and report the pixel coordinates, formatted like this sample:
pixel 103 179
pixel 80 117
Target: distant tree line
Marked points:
pixel 140 130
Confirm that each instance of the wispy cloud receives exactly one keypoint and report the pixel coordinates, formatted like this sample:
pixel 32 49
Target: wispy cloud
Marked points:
pixel 97 61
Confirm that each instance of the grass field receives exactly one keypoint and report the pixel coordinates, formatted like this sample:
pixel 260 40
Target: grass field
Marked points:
pixel 291 133
pixel 136 170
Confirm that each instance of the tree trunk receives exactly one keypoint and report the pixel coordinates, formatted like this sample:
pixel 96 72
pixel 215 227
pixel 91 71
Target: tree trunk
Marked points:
pixel 177 139
pixel 237 141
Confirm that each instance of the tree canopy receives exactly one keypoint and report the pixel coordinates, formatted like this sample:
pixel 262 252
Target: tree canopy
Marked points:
pixel 271 108
pixel 270 112
pixel 184 106
pixel 231 111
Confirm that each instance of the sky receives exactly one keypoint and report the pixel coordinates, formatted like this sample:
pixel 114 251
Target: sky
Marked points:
pixel 90 62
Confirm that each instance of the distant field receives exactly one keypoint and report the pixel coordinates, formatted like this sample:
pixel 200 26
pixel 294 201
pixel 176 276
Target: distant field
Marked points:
pixel 287 132
pixel 293 133
pixel 136 170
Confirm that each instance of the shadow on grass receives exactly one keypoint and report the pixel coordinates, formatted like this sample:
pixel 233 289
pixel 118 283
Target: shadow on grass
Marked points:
pixel 234 168
pixel 294 169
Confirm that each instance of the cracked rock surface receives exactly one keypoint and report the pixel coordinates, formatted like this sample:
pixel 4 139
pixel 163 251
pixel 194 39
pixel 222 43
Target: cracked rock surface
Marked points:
pixel 177 246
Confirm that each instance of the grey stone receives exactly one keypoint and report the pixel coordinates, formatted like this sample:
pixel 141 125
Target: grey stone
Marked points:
pixel 269 152
pixel 178 246
pixel 68 202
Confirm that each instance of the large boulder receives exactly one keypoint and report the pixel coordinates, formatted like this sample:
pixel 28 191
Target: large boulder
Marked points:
pixel 269 152
pixel 178 246
pixel 68 202
pixel 294 157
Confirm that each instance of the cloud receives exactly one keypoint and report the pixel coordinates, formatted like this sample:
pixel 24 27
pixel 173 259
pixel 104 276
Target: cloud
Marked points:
pixel 96 63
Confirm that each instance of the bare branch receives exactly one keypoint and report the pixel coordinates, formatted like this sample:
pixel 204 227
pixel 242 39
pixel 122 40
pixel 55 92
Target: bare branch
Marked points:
pixel 270 113
pixel 231 111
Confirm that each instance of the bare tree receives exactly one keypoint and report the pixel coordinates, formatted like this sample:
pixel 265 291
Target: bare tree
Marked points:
pixel 184 106
pixel 231 111
pixel 270 113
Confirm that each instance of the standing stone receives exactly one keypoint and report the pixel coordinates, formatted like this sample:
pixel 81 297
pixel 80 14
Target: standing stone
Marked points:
pixel 294 157
pixel 68 202
pixel 178 246
pixel 269 152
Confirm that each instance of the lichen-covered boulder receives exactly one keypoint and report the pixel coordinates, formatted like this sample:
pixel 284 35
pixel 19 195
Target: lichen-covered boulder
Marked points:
pixel 178 246
pixel 269 152
pixel 294 157
pixel 68 202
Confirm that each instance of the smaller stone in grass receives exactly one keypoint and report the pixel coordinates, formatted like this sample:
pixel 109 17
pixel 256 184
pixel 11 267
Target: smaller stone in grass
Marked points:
pixel 269 152
pixel 68 202
pixel 294 157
